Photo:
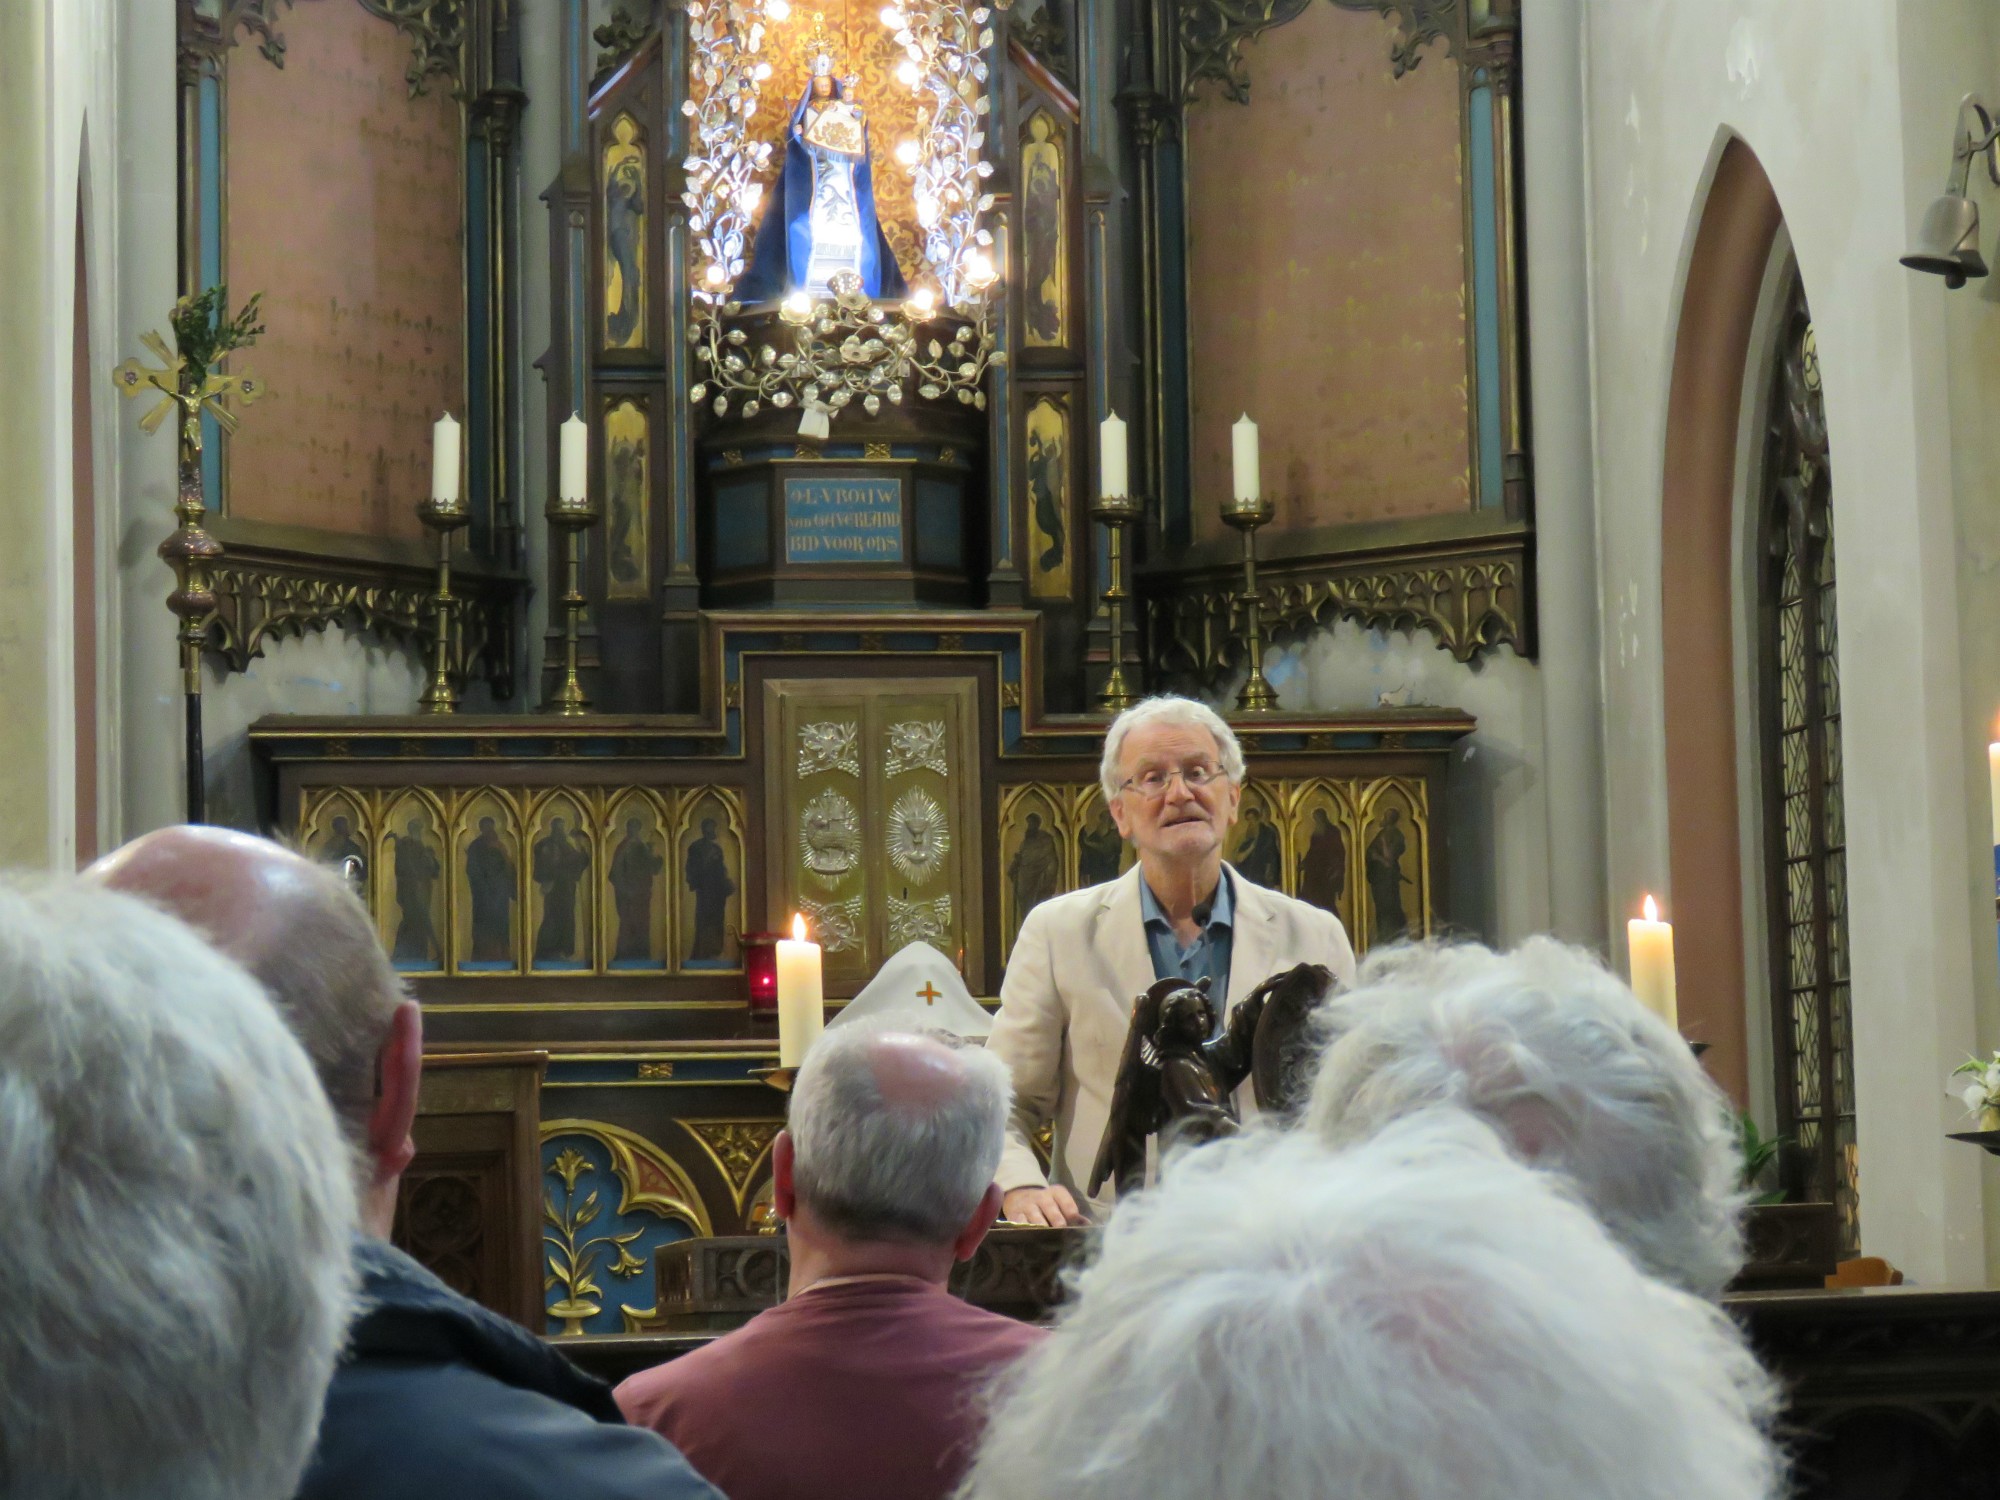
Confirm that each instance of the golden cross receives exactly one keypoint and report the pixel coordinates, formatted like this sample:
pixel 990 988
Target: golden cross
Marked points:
pixel 930 993
pixel 133 377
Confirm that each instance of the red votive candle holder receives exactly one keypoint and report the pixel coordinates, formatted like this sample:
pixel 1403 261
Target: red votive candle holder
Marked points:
pixel 760 972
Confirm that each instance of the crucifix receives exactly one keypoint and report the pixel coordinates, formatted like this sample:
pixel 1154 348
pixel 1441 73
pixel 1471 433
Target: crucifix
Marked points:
pixel 930 993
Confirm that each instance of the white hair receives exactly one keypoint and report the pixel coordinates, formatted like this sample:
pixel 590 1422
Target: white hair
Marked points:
pixel 1556 1054
pixel 1414 1318
pixel 1187 713
pixel 876 1168
pixel 177 1277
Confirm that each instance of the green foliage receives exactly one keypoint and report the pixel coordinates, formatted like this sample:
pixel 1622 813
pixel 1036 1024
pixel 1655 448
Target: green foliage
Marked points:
pixel 204 331
pixel 1760 1156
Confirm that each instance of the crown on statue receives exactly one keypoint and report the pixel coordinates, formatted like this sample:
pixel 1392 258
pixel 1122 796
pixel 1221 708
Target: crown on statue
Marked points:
pixel 819 48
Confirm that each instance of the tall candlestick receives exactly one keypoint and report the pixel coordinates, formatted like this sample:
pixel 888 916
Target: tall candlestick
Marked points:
pixel 801 1003
pixel 445 451
pixel 1649 946
pixel 1245 459
pixel 575 467
pixel 1112 456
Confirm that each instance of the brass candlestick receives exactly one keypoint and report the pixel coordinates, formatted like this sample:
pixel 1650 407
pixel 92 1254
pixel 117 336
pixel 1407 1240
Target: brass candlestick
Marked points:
pixel 1246 516
pixel 442 517
pixel 1115 513
pixel 572 518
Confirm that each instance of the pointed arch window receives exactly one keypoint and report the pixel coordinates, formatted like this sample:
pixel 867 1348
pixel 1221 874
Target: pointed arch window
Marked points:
pixel 1805 822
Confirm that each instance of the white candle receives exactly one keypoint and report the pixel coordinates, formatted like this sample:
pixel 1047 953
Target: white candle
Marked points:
pixel 1112 457
pixel 1649 946
pixel 1993 780
pixel 575 466
pixel 445 451
pixel 1246 462
pixel 801 1004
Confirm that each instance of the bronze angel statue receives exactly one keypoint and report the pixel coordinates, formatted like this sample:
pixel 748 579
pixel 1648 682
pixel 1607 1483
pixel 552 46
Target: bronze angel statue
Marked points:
pixel 1177 1076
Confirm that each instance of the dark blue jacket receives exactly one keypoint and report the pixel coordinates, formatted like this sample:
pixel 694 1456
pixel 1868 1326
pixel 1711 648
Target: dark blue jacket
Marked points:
pixel 437 1399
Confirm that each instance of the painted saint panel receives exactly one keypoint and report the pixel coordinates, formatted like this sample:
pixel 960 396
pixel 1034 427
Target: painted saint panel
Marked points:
pixel 487 873
pixel 1035 849
pixel 708 868
pixel 1396 895
pixel 1045 249
pixel 627 484
pixel 410 911
pixel 624 186
pixel 561 898
pixel 1257 842
pixel 636 898
pixel 1046 468
pixel 1324 849
pixel 1101 851
pixel 334 830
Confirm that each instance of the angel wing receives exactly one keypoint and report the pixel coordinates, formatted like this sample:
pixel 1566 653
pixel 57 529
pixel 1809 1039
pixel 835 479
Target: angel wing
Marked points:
pixel 1135 1094
pixel 1279 1051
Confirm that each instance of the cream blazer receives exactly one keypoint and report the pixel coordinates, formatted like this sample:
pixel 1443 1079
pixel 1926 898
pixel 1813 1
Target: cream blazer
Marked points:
pixel 1066 1001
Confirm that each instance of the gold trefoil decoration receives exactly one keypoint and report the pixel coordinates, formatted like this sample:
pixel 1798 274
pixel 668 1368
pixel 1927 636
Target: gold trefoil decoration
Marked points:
pixel 917 744
pixel 918 835
pixel 826 355
pixel 837 924
pixel 830 836
pixel 572 1262
pixel 920 922
pixel 828 746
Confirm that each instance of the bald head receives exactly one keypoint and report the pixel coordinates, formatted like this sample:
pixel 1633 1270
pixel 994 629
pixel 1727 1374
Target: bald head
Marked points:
pixel 896 1136
pixel 296 927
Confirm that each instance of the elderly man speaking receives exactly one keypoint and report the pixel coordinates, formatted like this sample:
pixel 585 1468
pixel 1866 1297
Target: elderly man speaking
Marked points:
pixel 1172 775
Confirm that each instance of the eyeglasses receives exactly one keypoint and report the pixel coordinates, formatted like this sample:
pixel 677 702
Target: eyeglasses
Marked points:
pixel 1152 785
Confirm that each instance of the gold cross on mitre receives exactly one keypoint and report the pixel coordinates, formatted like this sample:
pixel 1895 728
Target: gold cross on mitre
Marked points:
pixel 930 994
pixel 133 377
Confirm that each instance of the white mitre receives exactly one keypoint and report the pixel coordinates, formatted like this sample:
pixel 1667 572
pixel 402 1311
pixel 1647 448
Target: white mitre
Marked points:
pixel 917 989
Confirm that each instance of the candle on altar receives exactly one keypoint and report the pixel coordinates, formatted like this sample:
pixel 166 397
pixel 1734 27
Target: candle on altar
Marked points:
pixel 1649 945
pixel 445 462
pixel 1245 459
pixel 574 468
pixel 1113 470
pixel 1993 781
pixel 801 1005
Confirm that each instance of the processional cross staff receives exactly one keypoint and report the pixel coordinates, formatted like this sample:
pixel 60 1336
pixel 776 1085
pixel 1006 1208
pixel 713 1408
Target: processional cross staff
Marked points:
pixel 188 382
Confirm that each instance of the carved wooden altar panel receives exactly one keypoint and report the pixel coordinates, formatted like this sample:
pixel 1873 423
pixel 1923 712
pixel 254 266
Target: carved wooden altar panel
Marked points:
pixel 872 825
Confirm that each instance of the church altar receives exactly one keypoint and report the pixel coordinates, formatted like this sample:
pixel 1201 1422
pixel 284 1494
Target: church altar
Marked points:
pixel 868 459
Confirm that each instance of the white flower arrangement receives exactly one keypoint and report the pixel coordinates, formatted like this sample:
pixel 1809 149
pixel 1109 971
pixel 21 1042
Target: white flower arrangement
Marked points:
pixel 1981 1093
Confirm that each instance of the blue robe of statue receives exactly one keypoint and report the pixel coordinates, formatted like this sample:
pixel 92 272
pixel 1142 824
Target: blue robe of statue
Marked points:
pixel 782 254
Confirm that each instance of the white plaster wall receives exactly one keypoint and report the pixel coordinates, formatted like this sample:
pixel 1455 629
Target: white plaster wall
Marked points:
pixel 1831 105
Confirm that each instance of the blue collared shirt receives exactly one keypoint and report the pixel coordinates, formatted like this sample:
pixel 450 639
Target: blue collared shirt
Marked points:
pixel 1207 957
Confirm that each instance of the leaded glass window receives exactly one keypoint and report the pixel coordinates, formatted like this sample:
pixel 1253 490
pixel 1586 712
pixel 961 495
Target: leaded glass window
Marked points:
pixel 1805 834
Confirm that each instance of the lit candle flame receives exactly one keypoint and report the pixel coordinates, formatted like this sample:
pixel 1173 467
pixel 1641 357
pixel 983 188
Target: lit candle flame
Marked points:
pixel 1652 909
pixel 798 927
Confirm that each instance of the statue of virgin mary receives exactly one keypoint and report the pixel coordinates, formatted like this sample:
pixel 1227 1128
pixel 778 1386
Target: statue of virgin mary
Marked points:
pixel 821 216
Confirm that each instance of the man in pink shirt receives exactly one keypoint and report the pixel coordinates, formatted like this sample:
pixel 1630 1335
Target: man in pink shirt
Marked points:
pixel 867 1381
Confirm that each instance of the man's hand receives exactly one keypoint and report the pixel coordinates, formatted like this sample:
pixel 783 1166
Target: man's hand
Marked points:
pixel 1051 1207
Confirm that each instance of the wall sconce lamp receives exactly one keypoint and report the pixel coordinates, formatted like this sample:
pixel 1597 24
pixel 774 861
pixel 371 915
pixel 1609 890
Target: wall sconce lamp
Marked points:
pixel 1948 240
